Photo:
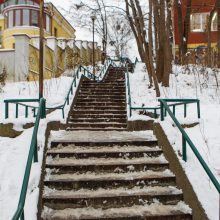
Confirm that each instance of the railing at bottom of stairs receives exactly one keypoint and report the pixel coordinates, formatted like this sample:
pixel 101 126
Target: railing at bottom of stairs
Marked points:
pixel 32 156
pixel 22 102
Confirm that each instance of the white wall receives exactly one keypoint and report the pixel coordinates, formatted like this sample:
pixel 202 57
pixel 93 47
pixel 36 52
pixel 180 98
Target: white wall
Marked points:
pixel 7 60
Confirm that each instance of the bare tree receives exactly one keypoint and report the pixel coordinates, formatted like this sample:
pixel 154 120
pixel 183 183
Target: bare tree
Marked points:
pixel 184 27
pixel 79 13
pixel 138 26
pixel 120 33
pixel 209 35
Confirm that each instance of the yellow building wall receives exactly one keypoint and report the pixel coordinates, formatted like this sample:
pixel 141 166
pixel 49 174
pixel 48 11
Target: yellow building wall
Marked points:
pixel 8 39
pixel 49 63
pixel 62 30
pixel 60 61
pixel 33 63
pixel 2 26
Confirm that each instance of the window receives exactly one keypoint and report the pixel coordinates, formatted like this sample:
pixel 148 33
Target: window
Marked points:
pixel 199 22
pixel 21 2
pixel 10 19
pixel 48 23
pixel 17 17
pixel 34 18
pixel 26 17
pixel 214 23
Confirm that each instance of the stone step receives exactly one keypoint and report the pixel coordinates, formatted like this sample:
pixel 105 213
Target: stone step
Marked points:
pixel 105 93
pixel 114 79
pixel 95 129
pixel 149 142
pixel 94 181
pixel 97 107
pixel 102 96
pixel 97 120
pixel 105 199
pixel 88 102
pixel 144 212
pixel 101 86
pixel 104 151
pixel 98 116
pixel 91 83
pixel 114 165
pixel 103 111
pixel 101 99
pixel 97 125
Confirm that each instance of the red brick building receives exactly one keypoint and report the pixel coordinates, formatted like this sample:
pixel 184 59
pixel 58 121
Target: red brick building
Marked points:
pixel 198 23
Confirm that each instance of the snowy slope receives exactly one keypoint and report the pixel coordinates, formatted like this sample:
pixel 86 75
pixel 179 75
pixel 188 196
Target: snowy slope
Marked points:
pixel 192 82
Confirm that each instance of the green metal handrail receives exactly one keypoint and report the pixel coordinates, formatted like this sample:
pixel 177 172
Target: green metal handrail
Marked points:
pixel 186 139
pixel 33 155
pixel 177 102
pixel 19 102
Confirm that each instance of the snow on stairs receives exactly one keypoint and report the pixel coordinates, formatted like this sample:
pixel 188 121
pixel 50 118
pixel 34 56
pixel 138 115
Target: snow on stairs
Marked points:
pixel 101 105
pixel 96 178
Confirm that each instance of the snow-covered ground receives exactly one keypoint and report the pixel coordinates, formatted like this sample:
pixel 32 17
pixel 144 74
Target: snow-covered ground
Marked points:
pixel 55 91
pixel 190 82
pixel 14 151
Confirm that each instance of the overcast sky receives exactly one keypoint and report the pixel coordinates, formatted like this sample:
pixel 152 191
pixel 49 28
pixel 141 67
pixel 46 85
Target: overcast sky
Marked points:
pixel 81 34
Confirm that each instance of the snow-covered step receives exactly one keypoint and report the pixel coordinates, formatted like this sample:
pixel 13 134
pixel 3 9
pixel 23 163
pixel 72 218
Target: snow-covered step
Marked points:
pixel 91 180
pixel 98 170
pixel 104 151
pixel 101 138
pixel 108 164
pixel 95 129
pixel 155 211
pixel 97 120
pixel 97 124
pixel 111 198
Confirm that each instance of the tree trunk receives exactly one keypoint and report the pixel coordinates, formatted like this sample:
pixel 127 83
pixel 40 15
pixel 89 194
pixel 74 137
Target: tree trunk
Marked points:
pixel 218 41
pixel 178 6
pixel 209 37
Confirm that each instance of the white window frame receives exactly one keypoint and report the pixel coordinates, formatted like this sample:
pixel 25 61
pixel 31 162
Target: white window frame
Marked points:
pixel 201 29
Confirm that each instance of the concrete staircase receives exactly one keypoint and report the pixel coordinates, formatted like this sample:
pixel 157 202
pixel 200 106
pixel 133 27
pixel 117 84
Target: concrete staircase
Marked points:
pixel 101 105
pixel 98 170
pixel 96 178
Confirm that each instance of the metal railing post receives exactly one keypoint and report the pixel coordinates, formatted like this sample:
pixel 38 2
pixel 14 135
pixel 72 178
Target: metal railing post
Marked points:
pixel 198 109
pixel 16 111
pixel 184 149
pixel 161 111
pixel 155 113
pixel 6 109
pixel 43 113
pixel 174 110
pixel 26 111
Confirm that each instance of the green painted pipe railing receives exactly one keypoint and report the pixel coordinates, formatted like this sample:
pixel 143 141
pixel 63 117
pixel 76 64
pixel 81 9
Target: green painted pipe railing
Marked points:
pixel 186 140
pixel 32 156
pixel 20 102
pixel 155 109
pixel 17 102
